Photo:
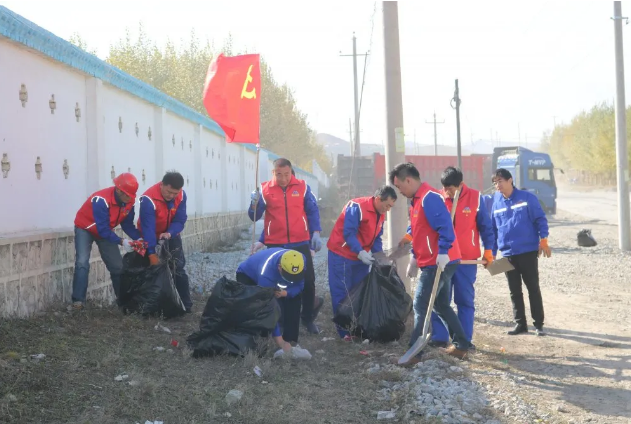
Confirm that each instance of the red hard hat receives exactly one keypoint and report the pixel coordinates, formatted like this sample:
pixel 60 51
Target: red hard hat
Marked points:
pixel 127 183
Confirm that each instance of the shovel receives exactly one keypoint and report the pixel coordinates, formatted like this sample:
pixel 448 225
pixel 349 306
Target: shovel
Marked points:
pixel 497 267
pixel 424 338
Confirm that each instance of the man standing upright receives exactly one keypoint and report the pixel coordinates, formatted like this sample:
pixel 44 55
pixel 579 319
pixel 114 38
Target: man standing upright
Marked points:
pixel 434 246
pixel 162 217
pixel 471 221
pixel 356 236
pixel 95 222
pixel 521 233
pixel 292 221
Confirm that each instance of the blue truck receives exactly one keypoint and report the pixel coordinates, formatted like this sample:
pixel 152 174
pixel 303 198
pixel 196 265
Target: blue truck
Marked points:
pixel 532 171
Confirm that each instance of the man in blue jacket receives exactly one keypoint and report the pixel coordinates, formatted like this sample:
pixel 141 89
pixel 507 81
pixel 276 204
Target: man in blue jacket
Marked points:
pixel 521 234
pixel 282 270
pixel 355 243
pixel 163 217
pixel 292 221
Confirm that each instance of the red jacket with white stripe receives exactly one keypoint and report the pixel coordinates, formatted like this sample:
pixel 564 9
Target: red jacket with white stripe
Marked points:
pixel 359 227
pixel 117 212
pixel 432 229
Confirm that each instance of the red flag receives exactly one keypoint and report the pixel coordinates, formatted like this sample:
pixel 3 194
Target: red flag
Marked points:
pixel 232 96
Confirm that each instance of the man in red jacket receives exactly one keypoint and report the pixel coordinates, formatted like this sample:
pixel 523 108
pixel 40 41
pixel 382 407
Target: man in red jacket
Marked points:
pixel 356 236
pixel 95 222
pixel 434 246
pixel 471 222
pixel 162 217
pixel 292 221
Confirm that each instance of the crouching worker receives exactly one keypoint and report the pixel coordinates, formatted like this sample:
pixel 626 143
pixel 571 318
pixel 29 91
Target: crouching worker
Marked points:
pixel 282 270
pixel 95 223
pixel 355 243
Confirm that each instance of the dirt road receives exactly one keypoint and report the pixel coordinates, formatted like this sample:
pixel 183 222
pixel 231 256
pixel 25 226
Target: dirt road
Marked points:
pixel 580 372
pixel 601 205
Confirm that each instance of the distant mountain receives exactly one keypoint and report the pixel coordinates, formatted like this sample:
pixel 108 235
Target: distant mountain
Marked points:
pixel 336 146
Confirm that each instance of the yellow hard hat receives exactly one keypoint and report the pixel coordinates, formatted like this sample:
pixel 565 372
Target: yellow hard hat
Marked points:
pixel 292 266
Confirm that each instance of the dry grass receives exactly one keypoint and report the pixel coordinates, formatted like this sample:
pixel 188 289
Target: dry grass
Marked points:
pixel 86 351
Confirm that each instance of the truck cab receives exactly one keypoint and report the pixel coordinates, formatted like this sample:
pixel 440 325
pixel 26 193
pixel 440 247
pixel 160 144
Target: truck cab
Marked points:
pixel 532 171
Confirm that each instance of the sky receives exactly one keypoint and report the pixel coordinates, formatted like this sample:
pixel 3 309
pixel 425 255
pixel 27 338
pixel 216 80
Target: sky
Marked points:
pixel 522 67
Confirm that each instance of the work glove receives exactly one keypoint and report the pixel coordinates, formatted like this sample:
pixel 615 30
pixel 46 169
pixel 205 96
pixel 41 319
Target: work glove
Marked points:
pixel 255 195
pixel 257 246
pixel 127 246
pixel 316 242
pixel 442 260
pixel 488 257
pixel 407 239
pixel 544 248
pixel 154 259
pixel 366 257
pixel 412 270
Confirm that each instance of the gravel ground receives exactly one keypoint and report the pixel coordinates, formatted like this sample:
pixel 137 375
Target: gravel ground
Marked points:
pixel 578 374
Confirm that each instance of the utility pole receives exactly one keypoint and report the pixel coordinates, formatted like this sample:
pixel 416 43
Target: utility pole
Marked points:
pixel 622 160
pixel 396 223
pixel 456 101
pixel 415 146
pixel 356 149
pixel 435 133
pixel 350 135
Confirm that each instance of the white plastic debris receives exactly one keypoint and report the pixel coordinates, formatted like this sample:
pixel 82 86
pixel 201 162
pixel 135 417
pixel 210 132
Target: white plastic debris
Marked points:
pixel 365 342
pixel 300 353
pixel 328 339
pixel 38 357
pixel 121 377
pixel 320 352
pixel 258 371
pixel 134 383
pixel 159 349
pixel 385 415
pixel 227 414
pixel 233 396
pixel 159 327
pixel 296 353
pixel 153 422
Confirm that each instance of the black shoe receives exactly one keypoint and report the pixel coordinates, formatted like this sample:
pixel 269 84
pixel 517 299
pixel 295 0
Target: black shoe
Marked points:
pixel 437 343
pixel 311 327
pixel 316 309
pixel 539 331
pixel 189 310
pixel 519 329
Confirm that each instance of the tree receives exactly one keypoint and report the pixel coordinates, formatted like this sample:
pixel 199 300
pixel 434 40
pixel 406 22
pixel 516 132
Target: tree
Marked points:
pixel 587 143
pixel 181 71
pixel 76 39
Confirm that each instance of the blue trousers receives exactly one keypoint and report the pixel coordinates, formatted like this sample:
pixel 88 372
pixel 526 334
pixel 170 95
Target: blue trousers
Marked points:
pixel 464 296
pixel 442 304
pixel 344 274
pixel 110 254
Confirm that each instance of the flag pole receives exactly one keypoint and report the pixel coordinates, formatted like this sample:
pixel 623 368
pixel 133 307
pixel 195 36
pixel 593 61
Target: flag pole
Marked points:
pixel 256 201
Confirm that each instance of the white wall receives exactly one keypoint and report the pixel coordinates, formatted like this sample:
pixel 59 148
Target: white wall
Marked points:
pixel 218 176
pixel 32 131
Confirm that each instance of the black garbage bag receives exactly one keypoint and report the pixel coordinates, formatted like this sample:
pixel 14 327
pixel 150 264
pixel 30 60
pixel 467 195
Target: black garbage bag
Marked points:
pixel 585 238
pixel 377 308
pixel 149 290
pixel 235 319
